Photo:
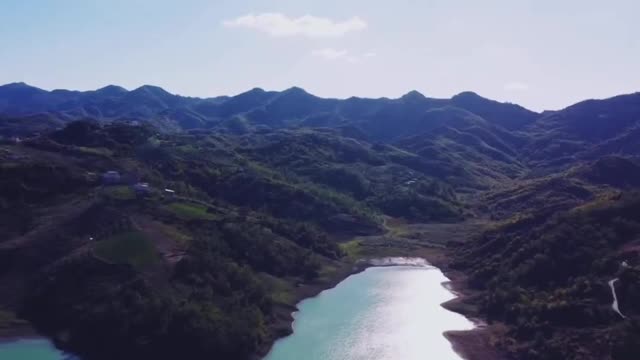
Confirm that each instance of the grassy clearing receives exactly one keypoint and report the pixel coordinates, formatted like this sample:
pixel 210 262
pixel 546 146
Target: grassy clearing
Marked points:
pixel 121 193
pixel 94 151
pixel 351 248
pixel 187 211
pixel 128 248
pixel 396 227
pixel 327 271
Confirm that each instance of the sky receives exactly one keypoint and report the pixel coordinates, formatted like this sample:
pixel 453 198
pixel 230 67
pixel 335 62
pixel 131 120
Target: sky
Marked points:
pixel 542 54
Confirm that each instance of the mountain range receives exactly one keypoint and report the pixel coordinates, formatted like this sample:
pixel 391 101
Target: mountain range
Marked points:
pixel 291 107
pixel 467 138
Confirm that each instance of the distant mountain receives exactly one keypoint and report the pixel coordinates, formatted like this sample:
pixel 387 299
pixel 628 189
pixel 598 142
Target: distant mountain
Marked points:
pixel 594 120
pixel 464 149
pixel 111 103
pixel 586 129
pixel 509 116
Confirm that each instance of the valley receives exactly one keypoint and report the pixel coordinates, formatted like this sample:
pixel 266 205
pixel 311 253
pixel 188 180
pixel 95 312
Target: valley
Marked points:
pixel 177 226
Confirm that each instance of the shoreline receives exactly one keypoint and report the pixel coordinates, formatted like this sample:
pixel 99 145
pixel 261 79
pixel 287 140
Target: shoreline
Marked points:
pixel 283 325
pixel 11 339
pixel 23 331
pixel 468 344
pixel 474 344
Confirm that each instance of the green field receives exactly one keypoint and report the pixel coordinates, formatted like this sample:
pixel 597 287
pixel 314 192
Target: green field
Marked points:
pixel 187 211
pixel 128 248
pixel 351 248
pixel 121 192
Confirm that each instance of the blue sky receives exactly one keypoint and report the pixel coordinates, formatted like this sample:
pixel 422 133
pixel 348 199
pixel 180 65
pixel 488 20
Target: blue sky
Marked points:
pixel 542 54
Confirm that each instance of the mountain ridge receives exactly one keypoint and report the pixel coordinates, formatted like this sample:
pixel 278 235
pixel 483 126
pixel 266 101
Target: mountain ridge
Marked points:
pixel 117 90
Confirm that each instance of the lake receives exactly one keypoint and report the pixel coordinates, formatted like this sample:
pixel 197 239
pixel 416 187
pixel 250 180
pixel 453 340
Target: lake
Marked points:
pixel 383 313
pixel 30 349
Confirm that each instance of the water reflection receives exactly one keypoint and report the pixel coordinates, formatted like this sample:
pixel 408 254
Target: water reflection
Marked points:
pixel 382 313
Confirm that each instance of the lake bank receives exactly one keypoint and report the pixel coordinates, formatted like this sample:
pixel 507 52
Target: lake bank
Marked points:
pixel 474 344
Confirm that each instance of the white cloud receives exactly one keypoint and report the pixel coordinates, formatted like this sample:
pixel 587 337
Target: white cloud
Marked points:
pixel 330 53
pixel 352 59
pixel 280 25
pixel 516 86
pixel 344 55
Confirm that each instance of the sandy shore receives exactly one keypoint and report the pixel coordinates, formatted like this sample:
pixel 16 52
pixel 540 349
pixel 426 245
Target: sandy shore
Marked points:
pixel 475 344
pixel 472 344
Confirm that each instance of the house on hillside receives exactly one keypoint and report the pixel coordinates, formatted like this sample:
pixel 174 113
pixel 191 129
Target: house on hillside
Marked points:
pixel 142 188
pixel 111 178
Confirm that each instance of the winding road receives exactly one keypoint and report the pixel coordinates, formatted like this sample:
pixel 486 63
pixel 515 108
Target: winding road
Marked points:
pixel 614 305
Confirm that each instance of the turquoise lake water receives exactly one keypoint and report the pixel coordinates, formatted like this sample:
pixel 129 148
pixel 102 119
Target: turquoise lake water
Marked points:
pixel 383 313
pixel 30 349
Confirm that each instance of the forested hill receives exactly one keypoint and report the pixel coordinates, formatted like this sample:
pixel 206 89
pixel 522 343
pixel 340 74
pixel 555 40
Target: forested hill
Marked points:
pixel 190 244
